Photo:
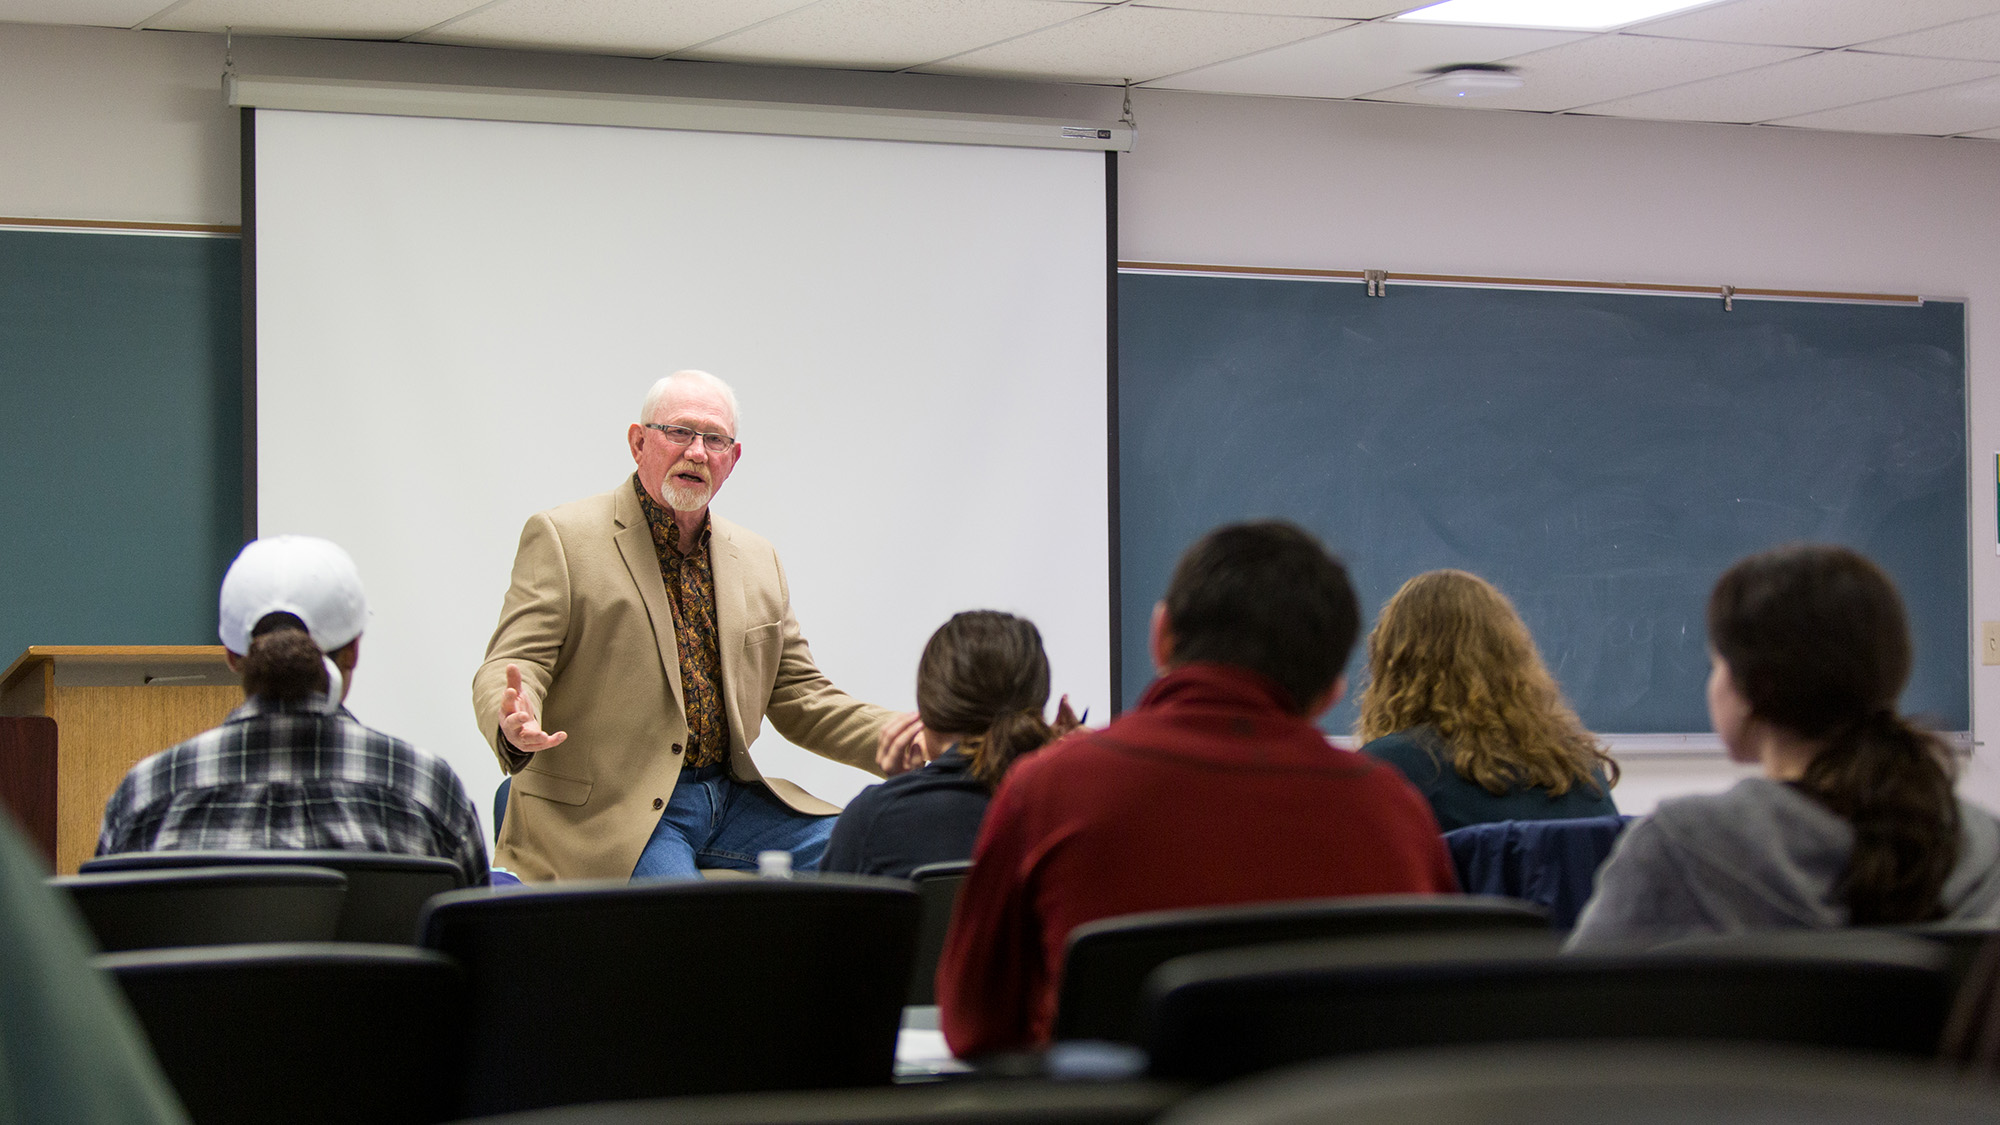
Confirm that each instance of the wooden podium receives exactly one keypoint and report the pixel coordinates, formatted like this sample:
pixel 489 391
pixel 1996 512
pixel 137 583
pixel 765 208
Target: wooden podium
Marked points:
pixel 111 706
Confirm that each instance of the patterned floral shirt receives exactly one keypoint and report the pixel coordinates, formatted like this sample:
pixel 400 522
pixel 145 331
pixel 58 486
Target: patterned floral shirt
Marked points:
pixel 690 580
pixel 286 775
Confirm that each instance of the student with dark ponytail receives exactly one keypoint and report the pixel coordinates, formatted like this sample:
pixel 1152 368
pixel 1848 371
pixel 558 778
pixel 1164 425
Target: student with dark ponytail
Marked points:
pixel 1854 821
pixel 982 686
pixel 291 767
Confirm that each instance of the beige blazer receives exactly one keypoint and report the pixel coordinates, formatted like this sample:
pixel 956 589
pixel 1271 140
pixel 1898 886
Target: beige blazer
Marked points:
pixel 587 621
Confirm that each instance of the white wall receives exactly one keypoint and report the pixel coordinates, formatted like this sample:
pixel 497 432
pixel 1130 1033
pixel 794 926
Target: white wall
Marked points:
pixel 121 125
pixel 114 125
pixel 106 124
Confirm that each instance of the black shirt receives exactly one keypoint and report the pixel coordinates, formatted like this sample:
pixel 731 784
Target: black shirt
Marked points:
pixel 929 815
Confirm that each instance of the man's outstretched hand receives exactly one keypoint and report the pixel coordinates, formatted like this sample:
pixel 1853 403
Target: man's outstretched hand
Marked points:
pixel 518 722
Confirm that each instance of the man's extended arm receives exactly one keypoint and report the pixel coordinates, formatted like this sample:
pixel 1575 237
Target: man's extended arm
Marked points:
pixel 534 623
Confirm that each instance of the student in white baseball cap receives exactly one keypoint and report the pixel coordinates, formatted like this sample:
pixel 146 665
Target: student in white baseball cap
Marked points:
pixel 292 614
pixel 292 767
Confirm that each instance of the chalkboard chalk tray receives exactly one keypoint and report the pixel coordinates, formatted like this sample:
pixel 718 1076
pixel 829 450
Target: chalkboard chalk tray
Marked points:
pixel 1599 456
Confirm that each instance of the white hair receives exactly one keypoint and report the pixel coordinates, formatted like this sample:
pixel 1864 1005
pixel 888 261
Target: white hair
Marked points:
pixel 699 378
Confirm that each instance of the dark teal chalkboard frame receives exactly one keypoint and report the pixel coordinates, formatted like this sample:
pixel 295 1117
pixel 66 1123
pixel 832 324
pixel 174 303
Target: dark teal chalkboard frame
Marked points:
pixel 121 388
pixel 1599 456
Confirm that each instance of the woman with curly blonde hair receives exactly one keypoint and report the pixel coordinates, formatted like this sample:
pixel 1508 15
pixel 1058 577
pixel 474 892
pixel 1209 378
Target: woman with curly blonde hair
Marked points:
pixel 1459 701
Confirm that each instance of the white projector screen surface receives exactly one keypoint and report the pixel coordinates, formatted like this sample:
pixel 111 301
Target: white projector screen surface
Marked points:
pixel 456 321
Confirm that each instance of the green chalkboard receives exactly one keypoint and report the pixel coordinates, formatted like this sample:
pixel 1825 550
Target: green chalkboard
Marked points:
pixel 121 390
pixel 1601 457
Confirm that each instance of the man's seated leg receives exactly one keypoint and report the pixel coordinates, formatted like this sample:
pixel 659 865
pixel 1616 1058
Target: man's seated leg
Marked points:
pixel 753 820
pixel 685 826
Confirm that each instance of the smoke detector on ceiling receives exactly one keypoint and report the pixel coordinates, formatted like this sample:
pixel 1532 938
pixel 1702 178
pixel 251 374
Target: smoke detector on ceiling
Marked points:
pixel 1470 80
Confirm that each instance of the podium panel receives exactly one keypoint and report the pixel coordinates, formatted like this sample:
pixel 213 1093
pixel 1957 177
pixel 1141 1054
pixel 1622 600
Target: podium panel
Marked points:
pixel 112 705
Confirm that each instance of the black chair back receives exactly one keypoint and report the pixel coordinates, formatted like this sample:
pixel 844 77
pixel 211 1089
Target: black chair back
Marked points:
pixel 1962 942
pixel 1631 1083
pixel 595 992
pixel 304 1033
pixel 1216 1016
pixel 386 891
pixel 1105 968
pixel 938 885
pixel 207 906
pixel 961 1101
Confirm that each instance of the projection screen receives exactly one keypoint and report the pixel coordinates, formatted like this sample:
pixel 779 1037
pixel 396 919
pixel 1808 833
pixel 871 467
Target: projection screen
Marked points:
pixel 456 320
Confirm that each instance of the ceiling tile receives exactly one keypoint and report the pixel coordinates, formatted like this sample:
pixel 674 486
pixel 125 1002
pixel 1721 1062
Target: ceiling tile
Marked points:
pixel 1605 67
pixel 1972 39
pixel 1115 44
pixel 606 27
pixel 1361 58
pixel 1810 84
pixel 1814 23
pixel 1965 108
pixel 83 13
pixel 883 34
pixel 1987 134
pixel 330 19
pixel 1324 9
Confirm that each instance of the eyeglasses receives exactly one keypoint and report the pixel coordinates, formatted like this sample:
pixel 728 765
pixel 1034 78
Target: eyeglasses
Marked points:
pixel 681 435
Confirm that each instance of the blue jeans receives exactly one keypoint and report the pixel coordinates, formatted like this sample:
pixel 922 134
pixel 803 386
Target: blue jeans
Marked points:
pixel 713 821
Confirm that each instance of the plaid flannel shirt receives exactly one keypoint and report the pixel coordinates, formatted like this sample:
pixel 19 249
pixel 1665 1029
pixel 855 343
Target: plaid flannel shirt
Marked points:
pixel 284 775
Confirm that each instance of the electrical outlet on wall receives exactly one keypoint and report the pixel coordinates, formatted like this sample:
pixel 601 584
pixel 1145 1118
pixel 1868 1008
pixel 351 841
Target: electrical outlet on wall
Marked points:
pixel 1989 642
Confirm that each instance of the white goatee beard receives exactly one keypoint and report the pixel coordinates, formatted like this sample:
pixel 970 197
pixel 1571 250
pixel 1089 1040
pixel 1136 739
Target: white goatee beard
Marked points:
pixel 683 497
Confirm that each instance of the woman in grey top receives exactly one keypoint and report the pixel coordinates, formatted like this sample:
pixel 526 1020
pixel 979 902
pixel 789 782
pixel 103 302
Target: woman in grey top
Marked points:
pixel 1853 822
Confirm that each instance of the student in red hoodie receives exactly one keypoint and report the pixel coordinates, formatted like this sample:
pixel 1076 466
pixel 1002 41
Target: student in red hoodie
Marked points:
pixel 1215 789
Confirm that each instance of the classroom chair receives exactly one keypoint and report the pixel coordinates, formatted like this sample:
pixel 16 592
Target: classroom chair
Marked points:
pixel 386 891
pixel 1217 1016
pixel 1632 1083
pixel 938 885
pixel 1971 1036
pixel 304 1033
pixel 589 992
pixel 1551 863
pixel 960 1102
pixel 1962 942
pixel 207 906
pixel 1106 963
pixel 1883 943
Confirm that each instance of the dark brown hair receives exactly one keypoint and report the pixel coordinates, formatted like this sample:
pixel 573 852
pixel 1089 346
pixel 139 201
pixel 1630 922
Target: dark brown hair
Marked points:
pixel 283 663
pixel 984 677
pixel 1265 596
pixel 1817 643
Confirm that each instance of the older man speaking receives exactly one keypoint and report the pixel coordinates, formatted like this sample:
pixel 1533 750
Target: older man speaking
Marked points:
pixel 640 646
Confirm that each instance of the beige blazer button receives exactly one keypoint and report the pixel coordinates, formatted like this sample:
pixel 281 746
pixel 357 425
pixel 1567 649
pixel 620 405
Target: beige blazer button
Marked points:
pixel 677 747
pixel 659 804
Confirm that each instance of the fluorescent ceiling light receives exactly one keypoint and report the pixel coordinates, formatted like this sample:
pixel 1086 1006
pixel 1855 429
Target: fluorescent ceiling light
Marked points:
pixel 1578 15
